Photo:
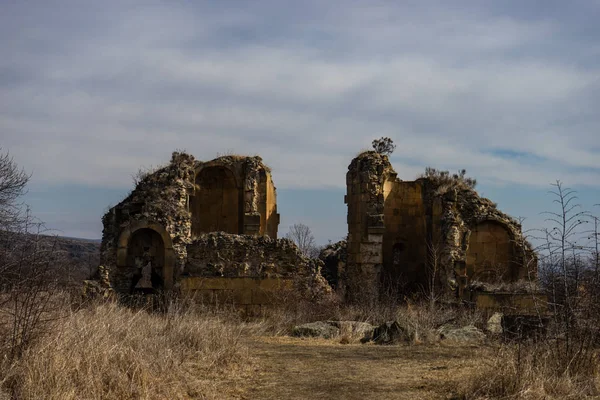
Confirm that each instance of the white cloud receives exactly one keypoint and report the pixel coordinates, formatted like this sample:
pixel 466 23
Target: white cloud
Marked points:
pixel 122 88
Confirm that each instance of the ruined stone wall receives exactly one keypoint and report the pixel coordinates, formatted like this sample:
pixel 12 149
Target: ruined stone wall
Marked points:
pixel 365 199
pixel 397 229
pixel 220 254
pixel 161 199
pixel 216 204
pixel 498 242
pixel 243 200
pixel 272 222
pixel 248 270
pixel 168 208
pixel 406 235
pixel 269 219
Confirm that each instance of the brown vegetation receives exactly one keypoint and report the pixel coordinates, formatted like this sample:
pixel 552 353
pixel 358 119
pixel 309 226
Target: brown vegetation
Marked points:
pixel 107 351
pixel 533 371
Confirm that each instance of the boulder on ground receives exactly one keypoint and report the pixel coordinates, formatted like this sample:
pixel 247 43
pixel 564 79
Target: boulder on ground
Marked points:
pixel 354 328
pixel 393 332
pixel 316 329
pixel 465 334
pixel 330 329
pixel 494 324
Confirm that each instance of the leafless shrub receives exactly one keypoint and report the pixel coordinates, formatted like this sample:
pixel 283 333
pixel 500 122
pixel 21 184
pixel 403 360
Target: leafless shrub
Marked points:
pixel 445 180
pixel 433 291
pixel 143 173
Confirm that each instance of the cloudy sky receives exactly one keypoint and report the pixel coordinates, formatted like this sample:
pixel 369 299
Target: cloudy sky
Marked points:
pixel 90 91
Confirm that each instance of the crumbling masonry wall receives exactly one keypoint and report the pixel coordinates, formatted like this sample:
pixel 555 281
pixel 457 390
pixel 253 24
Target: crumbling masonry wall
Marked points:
pixel 399 230
pixel 169 210
pixel 249 271
pixel 365 199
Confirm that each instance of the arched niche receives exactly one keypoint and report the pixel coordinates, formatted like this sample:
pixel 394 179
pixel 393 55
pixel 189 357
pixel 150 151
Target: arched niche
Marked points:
pixel 398 255
pixel 490 253
pixel 151 238
pixel 216 204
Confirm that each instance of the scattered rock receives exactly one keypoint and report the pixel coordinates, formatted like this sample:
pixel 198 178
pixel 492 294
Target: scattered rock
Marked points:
pixel 349 330
pixel 494 324
pixel 354 328
pixel 393 332
pixel 316 329
pixel 466 334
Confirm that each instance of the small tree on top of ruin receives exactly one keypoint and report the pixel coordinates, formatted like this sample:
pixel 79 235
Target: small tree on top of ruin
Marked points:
pixel 384 146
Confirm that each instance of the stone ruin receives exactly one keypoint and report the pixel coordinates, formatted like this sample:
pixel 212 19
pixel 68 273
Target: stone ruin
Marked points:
pixel 207 228
pixel 410 236
pixel 210 228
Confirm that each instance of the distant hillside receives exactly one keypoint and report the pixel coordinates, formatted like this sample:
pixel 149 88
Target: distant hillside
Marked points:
pixel 81 256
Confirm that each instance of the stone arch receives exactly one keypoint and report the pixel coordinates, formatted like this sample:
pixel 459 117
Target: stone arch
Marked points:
pixel 490 252
pixel 163 248
pixel 217 202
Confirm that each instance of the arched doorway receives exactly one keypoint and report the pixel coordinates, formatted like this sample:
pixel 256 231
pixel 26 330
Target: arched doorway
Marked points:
pixel 216 203
pixel 146 254
pixel 490 253
pixel 145 241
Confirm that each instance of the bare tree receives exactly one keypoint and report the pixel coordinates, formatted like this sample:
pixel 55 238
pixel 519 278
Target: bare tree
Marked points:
pixel 564 232
pixel 30 266
pixel 563 270
pixel 593 235
pixel 434 250
pixel 13 182
pixel 304 239
pixel 384 146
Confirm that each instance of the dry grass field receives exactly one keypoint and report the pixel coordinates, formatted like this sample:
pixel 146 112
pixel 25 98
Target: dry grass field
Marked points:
pixel 107 351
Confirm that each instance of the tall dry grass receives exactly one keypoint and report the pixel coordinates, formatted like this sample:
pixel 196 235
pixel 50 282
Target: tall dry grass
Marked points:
pixel 534 371
pixel 111 352
pixel 419 318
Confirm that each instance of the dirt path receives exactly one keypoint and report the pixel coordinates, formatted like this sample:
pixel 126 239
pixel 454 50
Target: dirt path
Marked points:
pixel 292 368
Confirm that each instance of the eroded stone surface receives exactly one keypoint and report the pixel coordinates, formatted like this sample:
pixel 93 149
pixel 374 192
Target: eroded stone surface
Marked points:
pixel 494 324
pixel 393 332
pixel 465 334
pixel 320 329
pixel 216 219
pixel 397 229
pixel 331 329
pixel 334 257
